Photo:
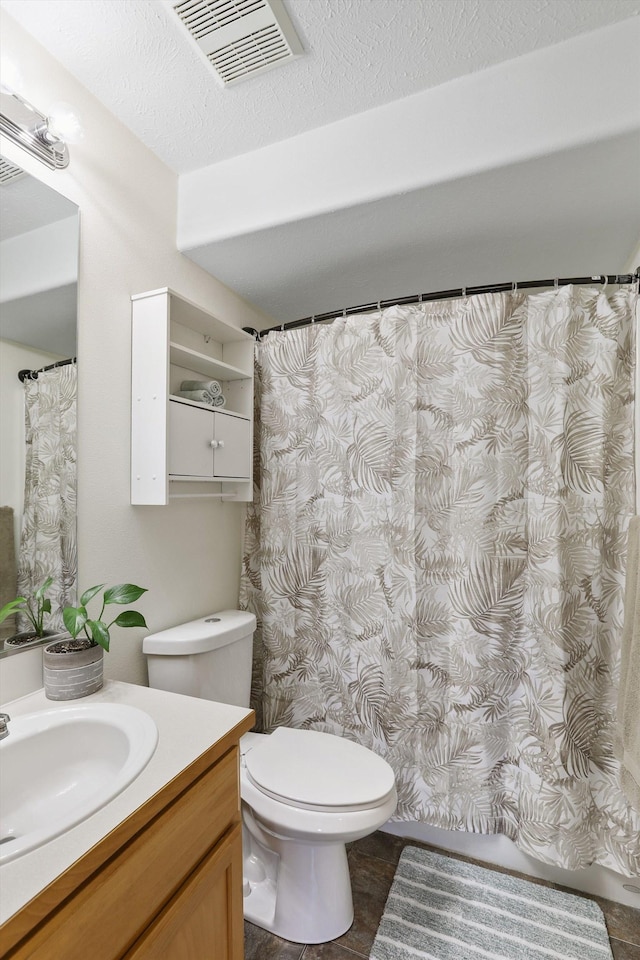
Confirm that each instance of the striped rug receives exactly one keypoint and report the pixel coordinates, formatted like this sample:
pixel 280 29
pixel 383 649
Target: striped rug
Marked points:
pixel 440 908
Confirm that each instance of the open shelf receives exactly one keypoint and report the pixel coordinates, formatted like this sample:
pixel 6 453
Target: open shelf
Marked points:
pixel 207 406
pixel 201 363
pixel 174 340
pixel 180 477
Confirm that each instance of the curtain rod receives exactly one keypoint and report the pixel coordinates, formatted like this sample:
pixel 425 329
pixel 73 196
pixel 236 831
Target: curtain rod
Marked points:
pixel 33 374
pixel 604 279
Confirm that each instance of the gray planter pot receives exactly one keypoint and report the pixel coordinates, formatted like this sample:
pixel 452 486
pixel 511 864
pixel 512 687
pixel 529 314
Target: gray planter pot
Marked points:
pixel 70 675
pixel 21 640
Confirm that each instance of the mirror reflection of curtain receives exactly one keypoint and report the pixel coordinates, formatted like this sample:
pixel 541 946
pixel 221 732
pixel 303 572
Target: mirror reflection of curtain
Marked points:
pixel 436 556
pixel 7 568
pixel 48 535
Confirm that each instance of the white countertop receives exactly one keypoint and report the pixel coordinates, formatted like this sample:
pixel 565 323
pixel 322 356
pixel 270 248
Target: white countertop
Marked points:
pixel 187 727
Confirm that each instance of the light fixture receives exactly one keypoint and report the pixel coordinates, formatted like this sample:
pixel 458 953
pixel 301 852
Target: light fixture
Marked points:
pixel 43 136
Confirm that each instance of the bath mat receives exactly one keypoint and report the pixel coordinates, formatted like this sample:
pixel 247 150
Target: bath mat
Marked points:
pixel 440 908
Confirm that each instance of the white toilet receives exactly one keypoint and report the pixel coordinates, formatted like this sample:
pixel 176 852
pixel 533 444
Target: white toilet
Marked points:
pixel 305 794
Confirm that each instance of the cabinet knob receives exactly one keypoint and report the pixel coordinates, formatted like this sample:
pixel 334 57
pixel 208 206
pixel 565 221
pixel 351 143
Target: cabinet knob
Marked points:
pixel 221 443
pixel 213 443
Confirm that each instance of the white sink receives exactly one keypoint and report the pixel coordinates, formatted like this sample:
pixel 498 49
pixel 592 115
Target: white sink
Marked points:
pixel 59 766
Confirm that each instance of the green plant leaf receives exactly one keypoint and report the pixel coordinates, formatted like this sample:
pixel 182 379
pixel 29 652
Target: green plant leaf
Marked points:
pixel 130 618
pixel 77 618
pixel 40 592
pixel 99 633
pixel 46 606
pixel 74 619
pixel 123 593
pixel 88 594
pixel 11 607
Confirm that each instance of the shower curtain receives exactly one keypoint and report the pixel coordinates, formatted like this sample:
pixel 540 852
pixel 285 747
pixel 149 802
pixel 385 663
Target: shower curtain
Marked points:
pixel 48 532
pixel 436 556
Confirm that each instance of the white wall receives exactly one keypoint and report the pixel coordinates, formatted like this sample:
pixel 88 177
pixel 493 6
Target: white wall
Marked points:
pixel 187 554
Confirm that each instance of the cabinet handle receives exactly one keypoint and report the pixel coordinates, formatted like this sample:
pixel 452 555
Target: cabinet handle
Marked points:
pixel 213 443
pixel 220 443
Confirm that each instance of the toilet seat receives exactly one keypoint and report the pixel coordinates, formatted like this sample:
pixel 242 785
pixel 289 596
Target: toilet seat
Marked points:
pixel 318 771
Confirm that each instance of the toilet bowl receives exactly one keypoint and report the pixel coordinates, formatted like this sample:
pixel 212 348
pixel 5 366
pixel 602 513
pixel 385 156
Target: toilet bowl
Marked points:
pixel 305 794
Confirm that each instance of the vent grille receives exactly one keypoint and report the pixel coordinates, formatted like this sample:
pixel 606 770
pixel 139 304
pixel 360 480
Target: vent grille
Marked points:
pixel 240 38
pixel 263 48
pixel 201 17
pixel 8 171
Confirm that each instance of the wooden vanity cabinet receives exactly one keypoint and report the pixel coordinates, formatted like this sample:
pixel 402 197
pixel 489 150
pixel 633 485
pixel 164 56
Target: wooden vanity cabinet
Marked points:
pixel 166 884
pixel 202 919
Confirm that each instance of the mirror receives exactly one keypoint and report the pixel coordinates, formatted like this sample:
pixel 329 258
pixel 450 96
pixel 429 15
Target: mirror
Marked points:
pixel 39 235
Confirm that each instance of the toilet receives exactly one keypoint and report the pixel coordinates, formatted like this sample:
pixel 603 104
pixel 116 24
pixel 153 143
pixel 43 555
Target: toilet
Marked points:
pixel 305 794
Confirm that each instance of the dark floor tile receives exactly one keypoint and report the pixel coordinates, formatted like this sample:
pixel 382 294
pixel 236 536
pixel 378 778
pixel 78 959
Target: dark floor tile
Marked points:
pixel 259 944
pixel 623 923
pixel 624 951
pixel 371 879
pixel 373 862
pixel 385 846
pixel 332 951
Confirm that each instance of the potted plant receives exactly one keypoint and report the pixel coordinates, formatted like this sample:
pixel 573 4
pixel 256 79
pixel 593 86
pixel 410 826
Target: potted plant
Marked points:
pixel 35 608
pixel 73 666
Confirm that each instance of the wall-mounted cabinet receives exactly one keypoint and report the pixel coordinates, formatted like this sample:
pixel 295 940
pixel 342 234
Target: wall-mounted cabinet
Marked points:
pixel 174 440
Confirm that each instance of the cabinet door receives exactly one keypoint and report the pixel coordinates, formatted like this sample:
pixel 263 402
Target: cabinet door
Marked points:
pixel 111 912
pixel 204 919
pixel 232 456
pixel 190 440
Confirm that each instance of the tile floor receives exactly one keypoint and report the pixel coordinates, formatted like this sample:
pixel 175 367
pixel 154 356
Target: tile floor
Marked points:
pixel 373 862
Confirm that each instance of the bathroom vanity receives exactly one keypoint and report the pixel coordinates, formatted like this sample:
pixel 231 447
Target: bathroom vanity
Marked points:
pixel 157 871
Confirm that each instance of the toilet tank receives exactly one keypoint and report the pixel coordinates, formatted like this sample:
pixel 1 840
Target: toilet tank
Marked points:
pixel 208 658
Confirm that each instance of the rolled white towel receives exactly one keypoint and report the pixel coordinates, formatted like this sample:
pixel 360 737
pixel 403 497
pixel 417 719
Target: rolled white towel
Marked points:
pixel 202 396
pixel 211 386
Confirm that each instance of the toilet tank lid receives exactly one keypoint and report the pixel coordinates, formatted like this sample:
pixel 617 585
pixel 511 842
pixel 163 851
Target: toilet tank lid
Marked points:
pixel 199 636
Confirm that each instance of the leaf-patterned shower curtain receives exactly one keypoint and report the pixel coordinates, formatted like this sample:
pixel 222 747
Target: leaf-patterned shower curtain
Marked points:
pixel 436 556
pixel 48 532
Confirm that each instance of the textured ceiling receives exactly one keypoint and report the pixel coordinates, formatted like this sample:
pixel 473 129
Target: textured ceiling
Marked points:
pixel 136 58
pixel 555 214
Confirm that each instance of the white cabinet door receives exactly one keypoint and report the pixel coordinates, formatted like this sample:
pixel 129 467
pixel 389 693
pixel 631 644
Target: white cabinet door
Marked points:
pixel 190 441
pixel 207 444
pixel 232 455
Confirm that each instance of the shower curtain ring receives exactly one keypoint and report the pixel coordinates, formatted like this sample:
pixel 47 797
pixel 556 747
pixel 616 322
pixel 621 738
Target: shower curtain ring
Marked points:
pixel 604 279
pixel 556 284
pixel 514 286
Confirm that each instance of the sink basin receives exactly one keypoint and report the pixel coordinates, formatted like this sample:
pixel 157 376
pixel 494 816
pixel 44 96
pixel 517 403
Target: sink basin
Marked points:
pixel 59 766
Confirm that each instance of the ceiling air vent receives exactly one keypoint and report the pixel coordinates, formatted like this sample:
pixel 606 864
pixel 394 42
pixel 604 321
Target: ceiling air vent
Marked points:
pixel 8 171
pixel 240 38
